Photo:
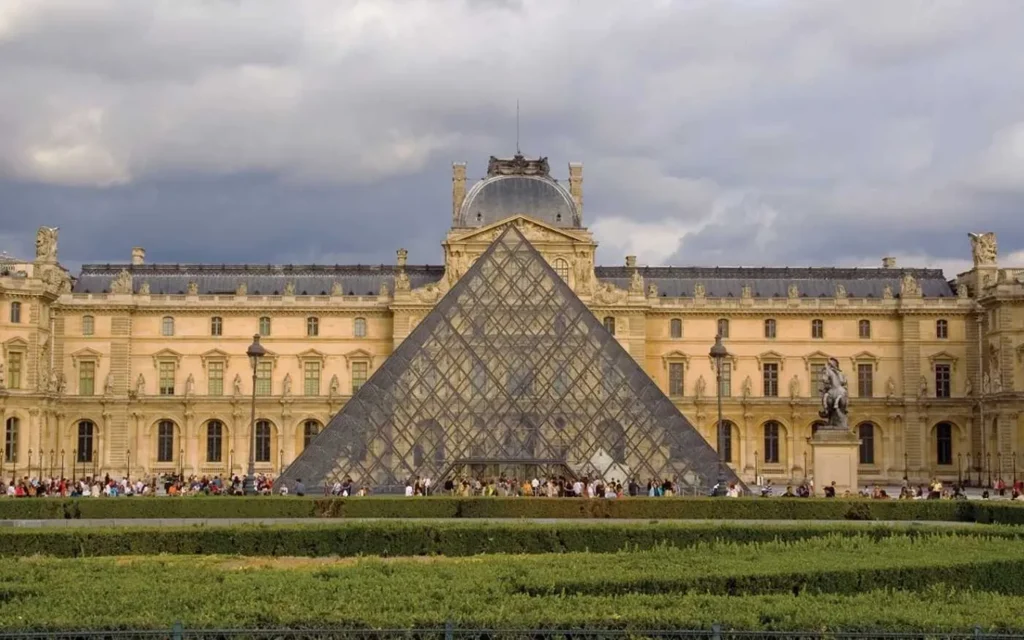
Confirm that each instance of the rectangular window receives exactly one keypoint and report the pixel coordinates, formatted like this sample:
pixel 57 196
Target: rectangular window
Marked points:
pixel 866 380
pixel 167 378
pixel 312 378
pixel 86 378
pixel 263 377
pixel 215 379
pixel 726 389
pixel 675 379
pixel 817 373
pixel 88 325
pixel 264 326
pixel 769 329
pixel 14 370
pixel 312 327
pixel 723 327
pixel 943 380
pixel 358 375
pixel 216 326
pixel 771 443
pixel 771 379
pixel 817 329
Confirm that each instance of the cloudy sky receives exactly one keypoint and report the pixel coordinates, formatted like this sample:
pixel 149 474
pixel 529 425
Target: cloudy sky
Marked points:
pixel 756 132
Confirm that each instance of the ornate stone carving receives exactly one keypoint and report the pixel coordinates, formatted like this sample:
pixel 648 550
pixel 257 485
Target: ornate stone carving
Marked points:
pixel 400 257
pixel 584 270
pixel 193 288
pixel 140 386
pixel 793 291
pixel 840 292
pixel 890 388
pixel 922 387
pixel 700 388
pixel 607 293
pixel 190 386
pixel 636 283
pixel 242 289
pixel 144 288
pixel 834 397
pixel 384 291
pixel 517 165
pixel 335 386
pixel 62 384
pixel 968 387
pixel 337 289
pixel 747 292
pixel 289 288
pixel 652 290
pixel 122 283
pixel 984 249
pixel 794 386
pixel 2 382
pixel 287 386
pixel 402 281
pixel 429 293
pixel 699 291
pixel 909 287
pixel 887 293
pixel 237 385
pixel 46 244
pixel 748 387
pixel 456 264
pixel 961 291
pixel 108 385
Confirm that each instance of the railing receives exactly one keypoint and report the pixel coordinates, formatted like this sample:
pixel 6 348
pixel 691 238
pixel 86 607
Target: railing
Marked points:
pixel 178 632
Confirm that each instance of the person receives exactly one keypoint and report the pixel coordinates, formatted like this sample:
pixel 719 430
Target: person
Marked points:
pixel 830 490
pixel 300 489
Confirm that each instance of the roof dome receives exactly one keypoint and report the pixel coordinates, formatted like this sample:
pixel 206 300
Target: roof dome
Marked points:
pixel 518 186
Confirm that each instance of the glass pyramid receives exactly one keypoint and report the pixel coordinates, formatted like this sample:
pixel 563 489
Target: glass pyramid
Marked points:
pixel 509 374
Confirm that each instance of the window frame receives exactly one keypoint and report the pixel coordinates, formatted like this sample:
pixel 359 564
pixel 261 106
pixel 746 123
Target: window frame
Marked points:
pixel 216 326
pixel 944 444
pixel 942 329
pixel 770 376
pixel 167 326
pixel 214 441
pixel 312 326
pixel 864 329
pixel 720 324
pixel 12 431
pixel 264 326
pixel 770 329
pixel 365 366
pixel 677 383
pixel 311 385
pixel 88 325
pixel 724 436
pixel 725 380
pixel 166 365
pixel 15 312
pixel 866 450
pixel 869 367
pixel 771 434
pixel 609 324
pixel 15 374
pixel 264 377
pixel 85 454
pixel 561 267
pixel 215 365
pixel 91 366
pixel 307 437
pixel 817 329
pixel 943 377
pixel 359 327
pixel 263 441
pixel 675 328
pixel 165 441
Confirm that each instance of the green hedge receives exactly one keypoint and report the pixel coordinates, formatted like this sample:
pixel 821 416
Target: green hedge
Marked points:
pixel 567 508
pixel 395 538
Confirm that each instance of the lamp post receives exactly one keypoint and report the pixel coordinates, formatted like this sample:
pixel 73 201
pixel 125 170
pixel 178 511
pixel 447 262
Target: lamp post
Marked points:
pixel 1014 454
pixel 41 452
pixel 805 466
pixel 255 352
pixel 969 467
pixel 30 463
pixel 61 464
pixel 74 465
pixel 53 461
pixel 719 353
pixel 95 458
pixel 128 457
pixel 999 465
pixel 906 472
pixel 959 469
pixel 755 468
pixel 988 465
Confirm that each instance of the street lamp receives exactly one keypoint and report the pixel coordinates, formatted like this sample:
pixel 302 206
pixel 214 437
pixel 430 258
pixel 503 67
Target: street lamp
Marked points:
pixel 906 473
pixel 988 465
pixel 53 460
pixel 719 353
pixel 255 352
pixel 62 464
pixel 959 469
pixel 30 463
pixel 128 476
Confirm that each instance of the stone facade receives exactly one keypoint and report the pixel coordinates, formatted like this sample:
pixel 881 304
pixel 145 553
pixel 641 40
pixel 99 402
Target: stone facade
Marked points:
pixel 141 368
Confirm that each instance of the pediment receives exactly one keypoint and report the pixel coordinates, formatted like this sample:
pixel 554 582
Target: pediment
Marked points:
pixel 16 343
pixel 167 354
pixel 864 356
pixel 358 355
pixel 84 354
pixel 771 356
pixel 312 354
pixel 676 356
pixel 943 356
pixel 532 229
pixel 815 356
pixel 214 354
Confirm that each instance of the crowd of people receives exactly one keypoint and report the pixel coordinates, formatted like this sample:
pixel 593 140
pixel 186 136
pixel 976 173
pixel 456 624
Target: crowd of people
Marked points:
pixel 169 485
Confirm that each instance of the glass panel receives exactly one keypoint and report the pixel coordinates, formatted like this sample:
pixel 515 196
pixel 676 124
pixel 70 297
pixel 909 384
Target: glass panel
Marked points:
pixel 771 442
pixel 88 325
pixel 865 380
pixel 264 326
pixel 214 441
pixel 360 327
pixel 86 432
pixel 14 369
pixel 11 440
pixel 86 378
pixel 263 441
pixel 264 371
pixel 216 326
pixel 167 378
pixel 215 378
pixel 726 379
pixel 311 374
pixel 312 327
pixel 675 380
pixel 723 328
pixel 771 379
pixel 769 329
pixel 942 329
pixel 943 377
pixel 676 328
pixel 165 441
pixel 15 312
pixel 167 326
pixel 944 443
pixel 865 329
pixel 867 443
pixel 310 430
pixel 358 376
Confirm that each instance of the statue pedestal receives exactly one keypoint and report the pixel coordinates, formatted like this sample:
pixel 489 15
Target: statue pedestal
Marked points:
pixel 835 455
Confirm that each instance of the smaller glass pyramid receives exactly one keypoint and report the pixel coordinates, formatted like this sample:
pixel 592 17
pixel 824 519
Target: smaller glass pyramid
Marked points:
pixel 509 374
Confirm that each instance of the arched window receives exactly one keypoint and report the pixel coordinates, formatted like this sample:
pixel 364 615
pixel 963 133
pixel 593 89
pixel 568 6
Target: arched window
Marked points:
pixel 725 440
pixel 562 269
pixel 11 440
pixel 864 329
pixel 15 312
pixel 312 326
pixel 723 327
pixel 769 329
pixel 310 430
pixel 214 441
pixel 86 440
pixel 942 329
pixel 359 327
pixel 263 444
pixel 165 441
pixel 817 329
pixel 88 325
pixel 675 328
pixel 216 326
pixel 866 432
pixel 944 443
pixel 771 442
pixel 609 324
pixel 167 326
pixel 264 326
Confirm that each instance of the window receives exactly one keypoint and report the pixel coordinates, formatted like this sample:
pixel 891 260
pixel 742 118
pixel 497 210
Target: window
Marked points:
pixel 942 329
pixel 15 312
pixel 675 328
pixel 866 432
pixel 264 369
pixel 817 329
pixel 771 442
pixel 359 327
pixel 311 378
pixel 86 435
pixel 86 378
pixel 609 324
pixel 725 440
pixel 167 377
pixel 264 326
pixel 14 369
pixel 723 327
pixel 262 441
pixel 88 325
pixel 817 373
pixel 771 379
pixel 165 441
pixel 726 380
pixel 215 378
pixel 216 326
pixel 310 430
pixel 11 440
pixel 864 329
pixel 312 326
pixel 562 269
pixel 675 379
pixel 865 380
pixel 944 443
pixel 214 441
pixel 943 378
pixel 167 326
pixel 769 329
pixel 358 375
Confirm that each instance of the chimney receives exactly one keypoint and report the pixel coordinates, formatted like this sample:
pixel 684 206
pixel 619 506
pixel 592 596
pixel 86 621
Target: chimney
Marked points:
pixel 631 262
pixel 458 190
pixel 888 262
pixel 576 185
pixel 138 256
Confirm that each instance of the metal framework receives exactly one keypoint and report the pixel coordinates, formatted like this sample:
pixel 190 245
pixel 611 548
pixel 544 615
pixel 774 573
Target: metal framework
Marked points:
pixel 509 374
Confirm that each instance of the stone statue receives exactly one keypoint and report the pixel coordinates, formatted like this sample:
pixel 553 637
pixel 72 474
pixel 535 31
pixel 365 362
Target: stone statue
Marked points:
pixel 890 388
pixel 337 289
pixel 62 384
pixel 834 397
pixel 909 286
pixel 144 288
pixel 46 244
pixel 699 291
pixel 968 387
pixel 287 386
pixel 986 383
pixel 242 289
pixel 53 384
pixel 140 386
pixel 747 292
pixel 748 387
pixel 384 291
pixel 289 288
pixel 122 283
pixel 190 385
pixel 840 291
pixel 636 283
pixel 652 290
pixel 700 388
pixel 335 386
pixel 193 288
pixel 983 248
pixel 793 292
pixel 237 385
pixel 961 291
pixel 402 281
pixel 794 386
pixel 400 258
pixel 584 267
pixel 887 293
pixel 996 375
pixel 923 389
pixel 2 382
pixel 108 385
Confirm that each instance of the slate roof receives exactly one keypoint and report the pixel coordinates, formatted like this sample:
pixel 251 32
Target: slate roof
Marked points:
pixel 499 197
pixel 719 282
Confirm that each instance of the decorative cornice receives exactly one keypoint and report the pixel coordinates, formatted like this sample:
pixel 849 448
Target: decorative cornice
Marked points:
pixel 864 356
pixel 84 354
pixel 814 356
pixel 167 354
pixel 358 355
pixel 675 356
pixel 15 343
pixel 943 356
pixel 770 356
pixel 312 354
pixel 214 354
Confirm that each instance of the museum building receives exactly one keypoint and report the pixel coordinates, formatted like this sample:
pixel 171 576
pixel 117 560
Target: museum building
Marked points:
pixel 515 355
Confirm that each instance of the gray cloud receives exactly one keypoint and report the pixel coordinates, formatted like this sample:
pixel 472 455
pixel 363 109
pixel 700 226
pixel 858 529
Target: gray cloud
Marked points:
pixel 751 131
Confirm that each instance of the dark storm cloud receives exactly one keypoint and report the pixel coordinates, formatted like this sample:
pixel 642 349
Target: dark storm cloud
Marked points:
pixel 751 131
